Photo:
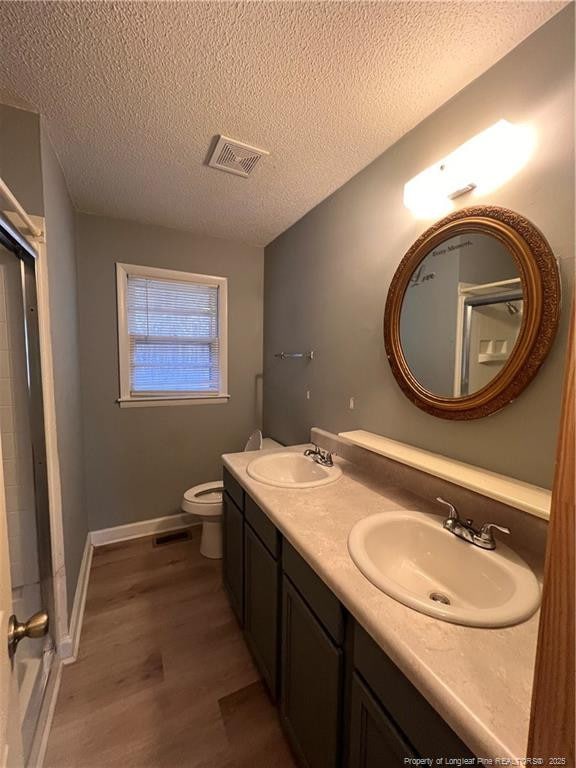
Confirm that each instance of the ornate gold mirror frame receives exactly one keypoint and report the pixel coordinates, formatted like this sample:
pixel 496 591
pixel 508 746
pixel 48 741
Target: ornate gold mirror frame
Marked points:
pixel 541 287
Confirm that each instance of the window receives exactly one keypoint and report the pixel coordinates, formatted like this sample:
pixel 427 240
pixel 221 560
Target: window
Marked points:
pixel 171 336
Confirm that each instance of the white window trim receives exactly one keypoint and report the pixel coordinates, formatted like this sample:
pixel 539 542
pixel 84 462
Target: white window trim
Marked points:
pixel 126 399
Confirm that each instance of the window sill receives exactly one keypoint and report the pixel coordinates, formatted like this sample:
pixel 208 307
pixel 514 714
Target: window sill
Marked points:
pixel 152 402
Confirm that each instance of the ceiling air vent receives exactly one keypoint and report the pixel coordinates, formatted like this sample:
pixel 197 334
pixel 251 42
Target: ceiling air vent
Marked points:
pixel 235 157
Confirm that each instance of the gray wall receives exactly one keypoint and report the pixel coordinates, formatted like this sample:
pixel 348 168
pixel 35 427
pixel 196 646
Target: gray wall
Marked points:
pixel 20 160
pixel 487 262
pixel 139 461
pixel 429 347
pixel 326 278
pixel 62 279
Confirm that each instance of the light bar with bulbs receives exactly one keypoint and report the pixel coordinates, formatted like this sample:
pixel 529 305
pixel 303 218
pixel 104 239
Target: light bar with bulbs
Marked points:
pixel 482 164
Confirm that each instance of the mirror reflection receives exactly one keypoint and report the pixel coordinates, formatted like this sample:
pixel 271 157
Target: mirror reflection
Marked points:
pixel 461 314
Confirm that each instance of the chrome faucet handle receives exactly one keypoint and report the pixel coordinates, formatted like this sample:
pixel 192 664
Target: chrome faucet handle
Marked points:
pixel 453 512
pixel 485 538
pixel 464 529
pixel 486 530
pixel 326 458
pixel 487 527
pixel 320 455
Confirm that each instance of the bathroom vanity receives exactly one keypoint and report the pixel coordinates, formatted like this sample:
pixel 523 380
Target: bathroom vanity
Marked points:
pixel 360 679
pixel 338 692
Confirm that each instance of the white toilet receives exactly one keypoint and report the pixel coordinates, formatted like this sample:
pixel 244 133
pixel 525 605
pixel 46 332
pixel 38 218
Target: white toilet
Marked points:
pixel 205 502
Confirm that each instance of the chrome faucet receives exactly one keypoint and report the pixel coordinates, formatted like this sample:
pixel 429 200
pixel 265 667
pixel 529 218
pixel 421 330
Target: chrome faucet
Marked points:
pixel 464 529
pixel 320 456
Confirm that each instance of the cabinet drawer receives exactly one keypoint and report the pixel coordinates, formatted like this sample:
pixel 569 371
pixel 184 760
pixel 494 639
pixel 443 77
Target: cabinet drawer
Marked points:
pixel 415 717
pixel 319 597
pixel 375 741
pixel 265 529
pixel 233 489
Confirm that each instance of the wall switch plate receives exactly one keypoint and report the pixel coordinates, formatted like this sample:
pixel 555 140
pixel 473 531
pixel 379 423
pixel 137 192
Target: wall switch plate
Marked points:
pixel 351 404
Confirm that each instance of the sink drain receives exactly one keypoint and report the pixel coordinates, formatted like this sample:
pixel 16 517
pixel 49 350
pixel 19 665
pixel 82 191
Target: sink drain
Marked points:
pixel 438 597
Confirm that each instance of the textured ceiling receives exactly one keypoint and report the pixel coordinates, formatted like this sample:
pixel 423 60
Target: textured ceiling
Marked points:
pixel 133 94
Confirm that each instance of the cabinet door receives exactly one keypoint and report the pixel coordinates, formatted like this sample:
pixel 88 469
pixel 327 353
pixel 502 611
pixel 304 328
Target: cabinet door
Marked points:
pixel 311 684
pixel 374 740
pixel 233 546
pixel 426 731
pixel 261 598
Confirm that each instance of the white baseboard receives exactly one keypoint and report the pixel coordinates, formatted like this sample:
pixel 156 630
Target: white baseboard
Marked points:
pixel 42 733
pixel 77 616
pixel 141 528
pixel 68 646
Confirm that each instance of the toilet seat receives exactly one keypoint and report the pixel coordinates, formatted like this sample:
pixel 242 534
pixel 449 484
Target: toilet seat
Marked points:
pixel 206 503
pixel 204 499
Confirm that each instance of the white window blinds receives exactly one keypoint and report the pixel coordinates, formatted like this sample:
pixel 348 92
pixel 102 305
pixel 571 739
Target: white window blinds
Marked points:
pixel 173 335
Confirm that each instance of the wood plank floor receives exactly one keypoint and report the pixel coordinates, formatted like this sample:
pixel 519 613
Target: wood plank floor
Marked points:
pixel 163 678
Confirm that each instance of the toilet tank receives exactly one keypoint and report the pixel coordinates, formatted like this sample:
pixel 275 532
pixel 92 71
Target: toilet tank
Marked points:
pixel 267 443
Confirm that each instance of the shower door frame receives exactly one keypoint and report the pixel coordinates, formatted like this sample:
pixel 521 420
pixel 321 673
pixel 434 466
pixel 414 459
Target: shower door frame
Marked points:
pixel 35 249
pixel 63 626
pixel 27 257
pixel 31 250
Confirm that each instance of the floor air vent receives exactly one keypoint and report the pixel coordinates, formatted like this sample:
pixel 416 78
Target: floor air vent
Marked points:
pixel 171 538
pixel 235 157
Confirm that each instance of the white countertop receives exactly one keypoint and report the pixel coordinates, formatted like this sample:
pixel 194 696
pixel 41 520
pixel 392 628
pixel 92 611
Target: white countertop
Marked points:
pixel 479 680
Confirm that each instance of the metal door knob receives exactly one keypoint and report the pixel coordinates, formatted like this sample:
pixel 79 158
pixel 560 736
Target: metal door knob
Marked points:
pixel 36 626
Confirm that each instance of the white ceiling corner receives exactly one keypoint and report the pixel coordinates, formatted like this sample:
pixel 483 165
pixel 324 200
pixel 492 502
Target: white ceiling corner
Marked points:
pixel 134 92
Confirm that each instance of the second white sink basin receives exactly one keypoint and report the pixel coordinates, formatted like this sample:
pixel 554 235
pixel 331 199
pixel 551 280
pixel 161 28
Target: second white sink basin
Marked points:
pixel 412 558
pixel 287 469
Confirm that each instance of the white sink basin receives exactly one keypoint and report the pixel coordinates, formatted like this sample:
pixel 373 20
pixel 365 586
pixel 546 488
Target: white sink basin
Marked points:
pixel 291 470
pixel 413 559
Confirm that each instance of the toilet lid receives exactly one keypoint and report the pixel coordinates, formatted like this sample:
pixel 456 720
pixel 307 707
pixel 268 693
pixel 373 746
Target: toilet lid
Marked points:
pixel 254 441
pixel 207 493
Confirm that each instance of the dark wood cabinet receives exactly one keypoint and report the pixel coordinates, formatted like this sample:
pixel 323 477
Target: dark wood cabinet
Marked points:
pixel 319 598
pixel 262 527
pixel 311 684
pixel 425 730
pixel 233 489
pixel 375 742
pixel 233 553
pixel 261 607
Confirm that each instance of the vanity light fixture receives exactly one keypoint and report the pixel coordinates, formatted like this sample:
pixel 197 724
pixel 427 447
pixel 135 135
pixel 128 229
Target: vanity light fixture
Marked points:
pixel 482 164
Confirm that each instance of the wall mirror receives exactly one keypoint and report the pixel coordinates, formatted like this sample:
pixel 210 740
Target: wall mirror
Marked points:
pixel 472 312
